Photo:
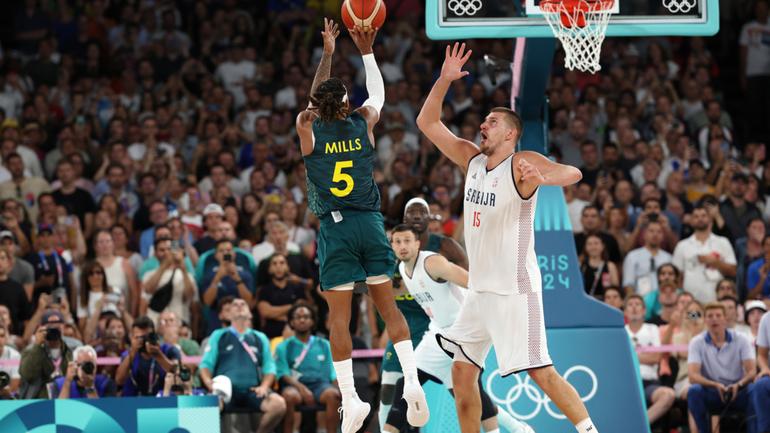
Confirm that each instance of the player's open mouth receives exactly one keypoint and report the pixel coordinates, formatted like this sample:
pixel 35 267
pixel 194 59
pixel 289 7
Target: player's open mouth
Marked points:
pixel 483 136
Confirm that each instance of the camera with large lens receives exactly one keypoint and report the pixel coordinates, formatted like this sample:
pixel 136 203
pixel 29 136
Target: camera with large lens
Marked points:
pixel 88 367
pixel 5 379
pixel 53 334
pixel 184 373
pixel 152 338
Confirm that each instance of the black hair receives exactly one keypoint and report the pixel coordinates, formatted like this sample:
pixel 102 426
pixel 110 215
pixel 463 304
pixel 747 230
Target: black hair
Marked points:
pixel 224 301
pixel 143 322
pixel 303 304
pixel 730 298
pixel 328 98
pixel 405 228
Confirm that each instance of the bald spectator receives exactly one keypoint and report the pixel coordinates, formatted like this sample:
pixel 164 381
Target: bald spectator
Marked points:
pixel 276 241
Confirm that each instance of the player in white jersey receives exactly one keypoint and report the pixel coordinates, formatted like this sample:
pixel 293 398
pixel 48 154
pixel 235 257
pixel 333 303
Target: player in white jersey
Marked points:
pixel 437 285
pixel 503 306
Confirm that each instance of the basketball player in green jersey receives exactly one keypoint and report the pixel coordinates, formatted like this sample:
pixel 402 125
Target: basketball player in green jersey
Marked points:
pixel 417 215
pixel 338 147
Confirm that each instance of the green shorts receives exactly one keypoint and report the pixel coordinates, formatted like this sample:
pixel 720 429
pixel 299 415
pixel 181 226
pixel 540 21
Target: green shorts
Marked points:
pixel 353 249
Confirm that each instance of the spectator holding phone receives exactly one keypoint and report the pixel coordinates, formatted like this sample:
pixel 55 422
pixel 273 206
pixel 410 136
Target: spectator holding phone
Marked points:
pixel 81 379
pixel 227 278
pixel 47 358
pixel 170 287
pixel 143 368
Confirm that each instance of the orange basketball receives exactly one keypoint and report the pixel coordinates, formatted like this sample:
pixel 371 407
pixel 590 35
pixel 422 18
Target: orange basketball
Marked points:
pixel 363 13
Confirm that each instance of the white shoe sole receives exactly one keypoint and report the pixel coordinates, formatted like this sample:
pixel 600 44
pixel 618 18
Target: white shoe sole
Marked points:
pixel 354 424
pixel 417 413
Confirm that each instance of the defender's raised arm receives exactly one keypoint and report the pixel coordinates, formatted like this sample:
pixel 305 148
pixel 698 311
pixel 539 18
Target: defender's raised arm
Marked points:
pixel 458 150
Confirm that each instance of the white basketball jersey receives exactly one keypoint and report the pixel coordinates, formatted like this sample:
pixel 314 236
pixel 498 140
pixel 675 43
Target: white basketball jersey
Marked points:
pixel 499 231
pixel 441 301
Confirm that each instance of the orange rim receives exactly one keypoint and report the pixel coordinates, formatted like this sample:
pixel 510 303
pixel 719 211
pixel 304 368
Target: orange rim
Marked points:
pixel 554 6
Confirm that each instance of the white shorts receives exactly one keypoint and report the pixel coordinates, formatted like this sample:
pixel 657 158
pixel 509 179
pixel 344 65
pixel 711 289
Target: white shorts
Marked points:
pixel 513 323
pixel 431 359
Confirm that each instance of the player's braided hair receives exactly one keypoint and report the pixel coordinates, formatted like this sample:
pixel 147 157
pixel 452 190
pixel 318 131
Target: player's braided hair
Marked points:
pixel 328 98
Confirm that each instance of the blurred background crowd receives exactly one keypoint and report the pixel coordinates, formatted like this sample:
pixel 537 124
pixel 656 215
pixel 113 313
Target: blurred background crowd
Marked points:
pixel 151 176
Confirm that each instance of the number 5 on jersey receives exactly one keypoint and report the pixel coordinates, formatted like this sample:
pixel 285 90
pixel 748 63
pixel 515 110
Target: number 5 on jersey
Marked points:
pixel 345 178
pixel 476 219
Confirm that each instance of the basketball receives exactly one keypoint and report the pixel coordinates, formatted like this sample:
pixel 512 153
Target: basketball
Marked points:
pixel 363 13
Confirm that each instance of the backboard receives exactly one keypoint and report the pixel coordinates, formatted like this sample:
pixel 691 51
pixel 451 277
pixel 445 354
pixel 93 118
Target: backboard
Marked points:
pixel 467 19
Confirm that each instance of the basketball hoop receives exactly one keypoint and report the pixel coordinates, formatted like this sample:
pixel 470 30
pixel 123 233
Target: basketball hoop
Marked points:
pixel 580 25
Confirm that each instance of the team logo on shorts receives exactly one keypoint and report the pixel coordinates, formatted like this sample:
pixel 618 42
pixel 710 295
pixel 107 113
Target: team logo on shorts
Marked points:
pixel 524 400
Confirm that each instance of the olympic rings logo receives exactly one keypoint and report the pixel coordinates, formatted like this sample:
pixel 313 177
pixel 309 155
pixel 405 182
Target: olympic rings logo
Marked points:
pixel 677 6
pixel 464 7
pixel 526 389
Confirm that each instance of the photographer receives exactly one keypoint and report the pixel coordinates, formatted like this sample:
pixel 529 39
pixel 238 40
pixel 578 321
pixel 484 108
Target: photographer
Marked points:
pixel 81 380
pixel 9 375
pixel 143 368
pixel 178 382
pixel 47 359
pixel 227 278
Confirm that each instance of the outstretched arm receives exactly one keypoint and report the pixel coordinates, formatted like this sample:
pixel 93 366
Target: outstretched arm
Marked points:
pixel 324 70
pixel 375 86
pixel 458 150
pixel 304 118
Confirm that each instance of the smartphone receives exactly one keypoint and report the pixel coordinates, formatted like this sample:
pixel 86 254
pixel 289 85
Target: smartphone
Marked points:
pixel 112 298
pixel 228 257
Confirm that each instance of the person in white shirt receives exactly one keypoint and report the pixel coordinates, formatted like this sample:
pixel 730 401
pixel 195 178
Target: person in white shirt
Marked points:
pixel 8 353
pixel 641 265
pixel 646 334
pixel 437 285
pixel 704 258
pixel 235 72
pixel 277 241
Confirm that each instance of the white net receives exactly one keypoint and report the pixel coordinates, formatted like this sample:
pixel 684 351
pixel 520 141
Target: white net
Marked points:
pixel 679 6
pixel 580 26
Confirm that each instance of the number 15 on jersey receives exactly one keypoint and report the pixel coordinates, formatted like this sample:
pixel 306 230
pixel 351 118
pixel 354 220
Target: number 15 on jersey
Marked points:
pixel 476 219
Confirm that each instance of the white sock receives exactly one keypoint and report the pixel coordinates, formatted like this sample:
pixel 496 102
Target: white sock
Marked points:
pixel 344 370
pixel 508 422
pixel 405 352
pixel 586 426
pixel 497 430
pixel 382 414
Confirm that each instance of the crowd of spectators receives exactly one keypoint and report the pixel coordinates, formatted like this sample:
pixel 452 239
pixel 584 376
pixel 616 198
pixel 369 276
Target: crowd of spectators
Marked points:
pixel 152 191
